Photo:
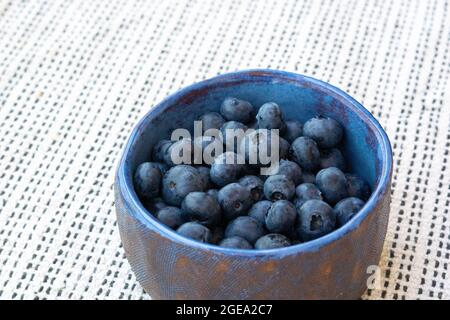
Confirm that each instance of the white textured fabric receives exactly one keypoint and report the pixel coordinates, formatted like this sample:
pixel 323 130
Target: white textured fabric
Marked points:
pixel 75 76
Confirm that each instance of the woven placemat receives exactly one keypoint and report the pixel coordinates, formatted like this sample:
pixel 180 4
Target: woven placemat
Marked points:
pixel 75 76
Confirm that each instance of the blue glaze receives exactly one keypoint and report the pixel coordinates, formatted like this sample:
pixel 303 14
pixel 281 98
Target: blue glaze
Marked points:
pixel 334 266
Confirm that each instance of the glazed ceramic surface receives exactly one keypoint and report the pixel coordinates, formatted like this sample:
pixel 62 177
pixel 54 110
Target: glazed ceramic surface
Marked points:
pixel 335 266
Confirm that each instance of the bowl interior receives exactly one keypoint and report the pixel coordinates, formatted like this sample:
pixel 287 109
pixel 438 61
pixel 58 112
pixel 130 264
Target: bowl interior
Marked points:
pixel 299 97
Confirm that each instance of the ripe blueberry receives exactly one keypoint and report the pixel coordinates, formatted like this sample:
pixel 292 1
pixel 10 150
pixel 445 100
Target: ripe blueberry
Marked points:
pixel 305 192
pixel 326 132
pixel 211 120
pixel 245 227
pixel 357 187
pixel 235 242
pixel 226 168
pixel 332 158
pixel 270 117
pixel 202 208
pixel 347 208
pixel 234 200
pixel 178 182
pixel 233 131
pixel 259 210
pixel 204 174
pixel 279 187
pixel 160 150
pixel 171 217
pixel 147 180
pixel 281 217
pixel 308 177
pixel 305 152
pixel 291 170
pixel 333 184
pixel 195 231
pixel 272 241
pixel 315 219
pixel 180 152
pixel 234 109
pixel 253 184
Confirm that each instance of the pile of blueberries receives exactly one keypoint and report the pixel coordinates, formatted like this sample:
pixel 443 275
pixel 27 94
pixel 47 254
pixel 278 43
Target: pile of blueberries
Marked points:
pixel 232 205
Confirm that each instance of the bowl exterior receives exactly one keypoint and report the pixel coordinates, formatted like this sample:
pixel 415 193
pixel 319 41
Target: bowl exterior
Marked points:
pixel 170 270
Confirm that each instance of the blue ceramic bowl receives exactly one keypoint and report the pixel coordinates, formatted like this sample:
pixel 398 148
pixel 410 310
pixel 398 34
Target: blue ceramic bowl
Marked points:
pixel 335 266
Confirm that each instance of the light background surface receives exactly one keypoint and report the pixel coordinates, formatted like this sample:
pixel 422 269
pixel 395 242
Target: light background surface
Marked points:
pixel 75 76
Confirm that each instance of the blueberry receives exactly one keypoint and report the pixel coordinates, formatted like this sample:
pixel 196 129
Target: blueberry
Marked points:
pixel 147 180
pixel 160 150
pixel 211 120
pixel 255 185
pixel 226 168
pixel 332 158
pixel 294 129
pixel 256 147
pixel 308 177
pixel 213 192
pixel 315 219
pixel 233 131
pixel 279 187
pixel 234 200
pixel 259 210
pixel 178 182
pixel 333 184
pixel 202 208
pixel 357 187
pixel 346 209
pixel 235 242
pixel 270 117
pixel 195 231
pixel 281 217
pixel 272 241
pixel 180 152
pixel 234 109
pixel 326 132
pixel 171 217
pixel 284 147
pixel 305 192
pixel 291 170
pixel 204 174
pixel 305 152
pixel 245 227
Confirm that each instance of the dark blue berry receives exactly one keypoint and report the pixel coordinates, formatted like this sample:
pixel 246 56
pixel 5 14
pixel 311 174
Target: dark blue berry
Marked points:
pixel 305 152
pixel 202 208
pixel 233 131
pixel 213 192
pixel 347 208
pixel 245 227
pixel 160 150
pixel 333 184
pixel 226 168
pixel 357 187
pixel 284 147
pixel 291 170
pixel 235 242
pixel 270 117
pixel 272 241
pixel 234 109
pixel 211 120
pixel 259 210
pixel 281 217
pixel 326 132
pixel 147 180
pixel 305 192
pixel 279 187
pixel 332 158
pixel 294 129
pixel 315 219
pixel 256 147
pixel 171 217
pixel 178 182
pixel 195 231
pixel 204 174
pixel 234 200
pixel 255 185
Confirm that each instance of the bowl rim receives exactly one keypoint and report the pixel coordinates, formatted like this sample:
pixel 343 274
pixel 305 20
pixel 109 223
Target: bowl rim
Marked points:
pixel 124 184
